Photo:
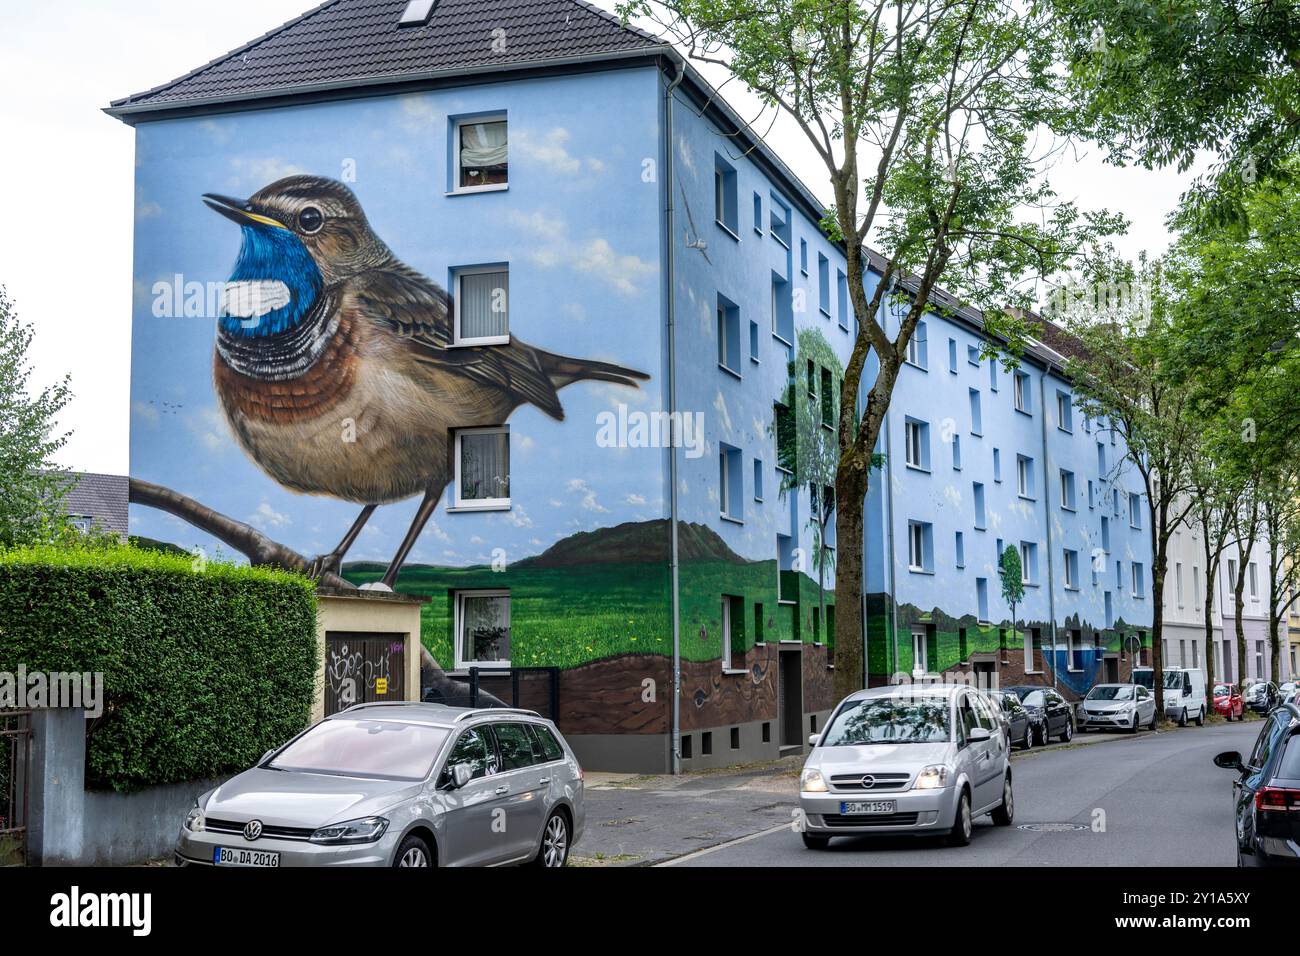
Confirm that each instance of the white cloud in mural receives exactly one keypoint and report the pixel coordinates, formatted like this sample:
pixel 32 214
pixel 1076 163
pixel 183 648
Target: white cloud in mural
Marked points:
pixel 267 517
pixel 635 500
pixel 724 416
pixel 624 271
pixel 579 486
pixel 146 413
pixel 549 150
pixel 517 516
pixel 952 495
pixel 209 427
pixel 419 115
pixel 252 173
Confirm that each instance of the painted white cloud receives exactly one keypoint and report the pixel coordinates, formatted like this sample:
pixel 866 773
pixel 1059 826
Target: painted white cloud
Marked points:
pixel 591 254
pixel 579 486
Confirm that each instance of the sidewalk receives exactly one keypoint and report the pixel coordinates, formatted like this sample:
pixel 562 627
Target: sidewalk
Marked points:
pixel 641 820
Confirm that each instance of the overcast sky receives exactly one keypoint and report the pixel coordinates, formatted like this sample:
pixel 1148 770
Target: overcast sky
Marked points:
pixel 67 170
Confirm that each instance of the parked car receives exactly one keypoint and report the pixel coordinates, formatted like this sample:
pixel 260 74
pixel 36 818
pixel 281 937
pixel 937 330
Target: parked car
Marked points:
pixel 915 760
pixel 1016 718
pixel 1228 703
pixel 1119 707
pixel 1287 691
pixel 398 784
pixel 1267 792
pixel 1185 695
pixel 1049 712
pixel 1261 696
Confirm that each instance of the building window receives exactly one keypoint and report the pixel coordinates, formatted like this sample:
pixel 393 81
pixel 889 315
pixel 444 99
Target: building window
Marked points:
pixel 842 299
pixel 977 489
pixel 482 628
pixel 1029 651
pixel 784 433
pixel 1021 392
pixel 730 480
pixel 824 285
pixel 729 336
pixel 1024 476
pixel 952 356
pixel 993 374
pixel 956 453
pixel 1067 490
pixel 782 310
pixel 725 210
pixel 982 598
pixel 1064 416
pixel 1071 569
pixel 1105 534
pixel 803 256
pixel 1028 562
pixel 1252 570
pixel 82 523
pixel 483 467
pixel 960 550
pixel 916 347
pixel 976 418
pixel 733 623
pixel 1134 510
pixel 481 155
pixel 920 546
pixel 916 437
pixel 482 305
pixel 779 221
pixel 753 341
pixel 1232 575
pixel 1101 461
pixel 1178 582
pixel 758 479
pixel 758 214
pixel 1091 498
pixel 828 399
pixel 997 465
pixel 1196 587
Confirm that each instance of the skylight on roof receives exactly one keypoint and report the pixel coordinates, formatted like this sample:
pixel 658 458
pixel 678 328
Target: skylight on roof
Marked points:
pixel 417 13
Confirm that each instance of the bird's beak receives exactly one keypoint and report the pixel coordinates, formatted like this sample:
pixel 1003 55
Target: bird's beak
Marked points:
pixel 239 211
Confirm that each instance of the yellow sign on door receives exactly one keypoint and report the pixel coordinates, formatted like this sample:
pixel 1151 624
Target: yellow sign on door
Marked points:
pixel 381 685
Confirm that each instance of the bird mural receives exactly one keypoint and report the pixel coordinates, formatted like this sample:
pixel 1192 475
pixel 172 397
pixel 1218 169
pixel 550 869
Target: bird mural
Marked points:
pixel 336 367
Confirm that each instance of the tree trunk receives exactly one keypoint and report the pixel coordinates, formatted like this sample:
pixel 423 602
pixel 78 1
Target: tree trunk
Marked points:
pixel 850 646
pixel 1159 563
pixel 1240 626
pixel 1209 635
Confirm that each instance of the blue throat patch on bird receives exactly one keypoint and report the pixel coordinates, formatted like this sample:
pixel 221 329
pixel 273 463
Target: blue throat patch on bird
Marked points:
pixel 274 285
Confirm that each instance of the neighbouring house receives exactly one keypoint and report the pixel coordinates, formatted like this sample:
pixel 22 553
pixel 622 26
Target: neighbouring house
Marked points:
pixel 477 300
pixel 97 501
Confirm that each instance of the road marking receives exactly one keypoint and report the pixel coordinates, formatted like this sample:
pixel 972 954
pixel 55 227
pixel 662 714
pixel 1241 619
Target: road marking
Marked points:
pixel 723 846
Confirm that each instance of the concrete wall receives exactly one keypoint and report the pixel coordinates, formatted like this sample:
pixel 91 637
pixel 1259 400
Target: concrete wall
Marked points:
pixel 371 612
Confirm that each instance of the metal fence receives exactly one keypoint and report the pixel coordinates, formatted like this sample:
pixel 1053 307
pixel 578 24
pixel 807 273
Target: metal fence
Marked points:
pixel 15 772
pixel 533 688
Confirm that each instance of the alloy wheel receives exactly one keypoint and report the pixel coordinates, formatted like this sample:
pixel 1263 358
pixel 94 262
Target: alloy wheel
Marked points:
pixel 555 842
pixel 414 857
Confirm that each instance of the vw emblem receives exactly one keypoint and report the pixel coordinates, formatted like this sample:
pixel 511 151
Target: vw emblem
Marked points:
pixel 868 782
pixel 252 830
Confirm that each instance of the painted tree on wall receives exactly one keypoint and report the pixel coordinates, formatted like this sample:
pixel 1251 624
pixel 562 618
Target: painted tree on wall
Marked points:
pixel 1012 574
pixel 926 116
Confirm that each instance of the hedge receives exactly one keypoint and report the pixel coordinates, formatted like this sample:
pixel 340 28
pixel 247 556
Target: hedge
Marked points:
pixel 205 668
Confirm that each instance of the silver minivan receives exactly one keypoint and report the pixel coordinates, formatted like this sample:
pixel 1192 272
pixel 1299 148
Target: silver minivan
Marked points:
pixel 914 759
pixel 398 784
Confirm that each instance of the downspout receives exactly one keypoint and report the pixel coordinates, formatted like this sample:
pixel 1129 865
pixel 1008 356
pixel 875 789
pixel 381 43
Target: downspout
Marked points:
pixel 673 423
pixel 888 491
pixel 1047 516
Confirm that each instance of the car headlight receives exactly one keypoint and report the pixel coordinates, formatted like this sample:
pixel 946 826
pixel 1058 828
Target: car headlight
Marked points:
pixel 811 781
pixel 352 831
pixel 931 778
pixel 194 819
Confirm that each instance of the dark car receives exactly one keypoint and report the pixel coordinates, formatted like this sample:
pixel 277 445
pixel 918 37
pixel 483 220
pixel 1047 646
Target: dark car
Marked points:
pixel 1267 792
pixel 1050 714
pixel 1228 703
pixel 1261 696
pixel 1018 723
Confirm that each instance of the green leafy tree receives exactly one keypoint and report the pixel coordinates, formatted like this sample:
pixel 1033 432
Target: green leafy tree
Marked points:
pixel 31 490
pixel 926 117
pixel 1161 80
pixel 1123 372
pixel 1012 574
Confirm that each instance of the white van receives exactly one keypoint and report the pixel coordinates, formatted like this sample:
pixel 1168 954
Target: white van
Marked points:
pixel 1184 692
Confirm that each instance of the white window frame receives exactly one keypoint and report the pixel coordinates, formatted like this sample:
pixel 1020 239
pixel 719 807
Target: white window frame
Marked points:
pixel 1024 476
pixel 1018 391
pixel 1067 489
pixel 1070 569
pixel 458 273
pixel 724 492
pixel 726 633
pixel 916 546
pixel 1135 578
pixel 456 188
pixel 461 663
pixel 1178 581
pixel 477 504
pixel 1253 579
pixel 1025 553
pixel 1028 648
pixel 921 640
pixel 913 441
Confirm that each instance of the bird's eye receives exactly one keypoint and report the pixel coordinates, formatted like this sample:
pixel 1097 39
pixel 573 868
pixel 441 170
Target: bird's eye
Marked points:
pixel 310 220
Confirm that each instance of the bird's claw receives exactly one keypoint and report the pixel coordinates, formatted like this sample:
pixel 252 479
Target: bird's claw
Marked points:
pixel 324 564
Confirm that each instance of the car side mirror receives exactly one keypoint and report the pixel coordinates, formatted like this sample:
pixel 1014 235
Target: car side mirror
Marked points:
pixel 814 739
pixel 266 756
pixel 1229 760
pixel 979 733
pixel 461 774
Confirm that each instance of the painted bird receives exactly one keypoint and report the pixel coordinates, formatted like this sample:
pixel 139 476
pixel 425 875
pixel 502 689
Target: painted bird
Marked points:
pixel 335 366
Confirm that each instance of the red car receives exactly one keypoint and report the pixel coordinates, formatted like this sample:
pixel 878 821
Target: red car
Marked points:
pixel 1227 701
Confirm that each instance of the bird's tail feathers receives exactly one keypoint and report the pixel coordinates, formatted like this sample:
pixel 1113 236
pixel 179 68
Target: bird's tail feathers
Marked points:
pixel 564 370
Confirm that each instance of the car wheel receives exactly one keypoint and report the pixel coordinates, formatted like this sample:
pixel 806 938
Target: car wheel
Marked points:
pixel 1182 717
pixel 1028 742
pixel 1200 717
pixel 554 852
pixel 815 842
pixel 1068 733
pixel 962 824
pixel 413 852
pixel 1152 724
pixel 1005 812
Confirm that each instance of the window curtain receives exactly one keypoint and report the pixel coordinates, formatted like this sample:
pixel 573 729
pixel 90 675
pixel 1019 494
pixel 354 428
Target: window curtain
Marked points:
pixel 484 466
pixel 482 144
pixel 484 304
pixel 486 628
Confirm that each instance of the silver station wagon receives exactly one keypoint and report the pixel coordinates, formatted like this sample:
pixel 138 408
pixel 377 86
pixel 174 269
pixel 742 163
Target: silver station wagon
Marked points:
pixel 920 759
pixel 398 784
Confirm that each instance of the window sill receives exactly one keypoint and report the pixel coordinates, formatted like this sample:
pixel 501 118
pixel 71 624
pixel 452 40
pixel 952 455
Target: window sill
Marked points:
pixel 783 243
pixel 734 672
pixel 730 371
pixel 462 667
pixel 915 365
pixel 783 340
pixel 455 509
pixel 1069 509
pixel 1071 587
pixel 727 229
pixel 919 468
pixel 1028 414
pixel 754 359
pixel 913 570
pixel 727 517
pixel 758 500
pixel 474 190
pixel 475 343
pixel 825 312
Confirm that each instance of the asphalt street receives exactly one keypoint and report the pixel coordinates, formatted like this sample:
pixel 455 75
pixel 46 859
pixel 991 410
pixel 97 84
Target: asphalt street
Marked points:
pixel 1151 800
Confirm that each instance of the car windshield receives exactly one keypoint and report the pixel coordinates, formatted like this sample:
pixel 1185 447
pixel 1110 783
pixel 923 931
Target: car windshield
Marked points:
pixel 1034 699
pixel 1174 680
pixel 383 749
pixel 1111 692
pixel 890 720
pixel 1222 690
pixel 1146 678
